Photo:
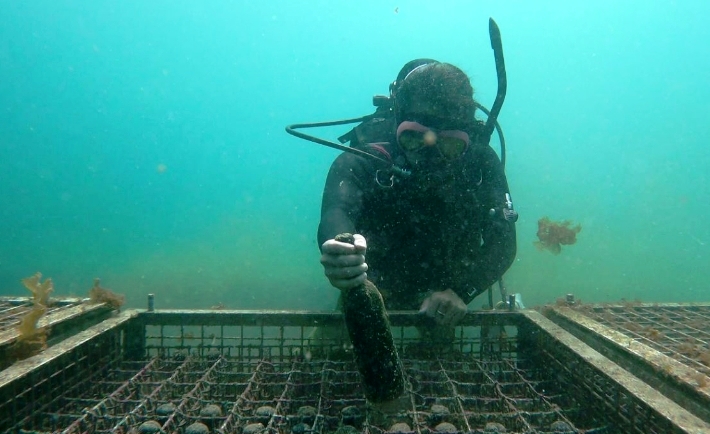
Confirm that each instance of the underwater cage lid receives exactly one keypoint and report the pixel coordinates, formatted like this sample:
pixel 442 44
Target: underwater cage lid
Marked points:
pixel 63 318
pixel 229 371
pixel 667 345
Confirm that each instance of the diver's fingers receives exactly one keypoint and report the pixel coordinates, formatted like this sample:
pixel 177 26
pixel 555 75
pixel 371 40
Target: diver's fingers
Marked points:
pixel 348 283
pixel 333 247
pixel 360 243
pixel 344 272
pixel 342 261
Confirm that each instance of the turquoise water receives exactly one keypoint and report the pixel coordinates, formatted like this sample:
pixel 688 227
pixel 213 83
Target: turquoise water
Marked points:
pixel 143 142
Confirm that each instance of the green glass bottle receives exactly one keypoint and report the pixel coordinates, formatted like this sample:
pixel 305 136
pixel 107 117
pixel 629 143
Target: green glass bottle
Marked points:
pixel 369 329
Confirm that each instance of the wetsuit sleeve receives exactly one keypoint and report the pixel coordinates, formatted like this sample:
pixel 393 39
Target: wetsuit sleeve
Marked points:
pixel 498 238
pixel 342 196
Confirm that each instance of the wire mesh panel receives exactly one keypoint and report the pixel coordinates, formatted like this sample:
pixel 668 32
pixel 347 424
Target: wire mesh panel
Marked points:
pixel 254 372
pixel 13 309
pixel 63 317
pixel 51 390
pixel 681 332
pixel 667 345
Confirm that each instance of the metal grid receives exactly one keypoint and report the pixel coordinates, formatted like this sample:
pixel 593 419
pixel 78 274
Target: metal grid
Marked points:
pixel 63 318
pixel 12 309
pixel 231 371
pixel 667 345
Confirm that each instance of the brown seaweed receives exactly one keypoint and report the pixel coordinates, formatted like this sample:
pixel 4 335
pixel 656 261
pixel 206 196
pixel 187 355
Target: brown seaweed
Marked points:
pixel 552 235
pixel 40 290
pixel 33 339
pixel 97 295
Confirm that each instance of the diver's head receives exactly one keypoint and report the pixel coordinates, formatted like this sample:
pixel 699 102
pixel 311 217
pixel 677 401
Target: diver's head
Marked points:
pixel 434 110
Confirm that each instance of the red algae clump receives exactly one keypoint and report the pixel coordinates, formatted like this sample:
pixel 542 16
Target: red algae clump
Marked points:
pixel 552 235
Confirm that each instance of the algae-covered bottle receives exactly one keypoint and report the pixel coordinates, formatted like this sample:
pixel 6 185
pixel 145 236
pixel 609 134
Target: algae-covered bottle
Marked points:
pixel 369 329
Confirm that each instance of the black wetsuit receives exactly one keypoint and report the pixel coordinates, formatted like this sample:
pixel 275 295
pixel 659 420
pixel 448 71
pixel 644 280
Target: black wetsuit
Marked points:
pixel 422 234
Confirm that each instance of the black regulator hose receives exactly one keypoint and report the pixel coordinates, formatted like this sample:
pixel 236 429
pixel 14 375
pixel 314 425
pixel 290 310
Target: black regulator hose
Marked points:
pixel 291 129
pixel 497 45
pixel 499 130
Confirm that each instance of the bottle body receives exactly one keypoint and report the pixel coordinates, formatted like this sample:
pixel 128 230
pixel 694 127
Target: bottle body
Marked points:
pixel 373 346
pixel 370 335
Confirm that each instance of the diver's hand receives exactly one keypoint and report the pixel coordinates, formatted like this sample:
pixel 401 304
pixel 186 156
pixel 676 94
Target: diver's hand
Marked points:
pixel 344 263
pixel 446 307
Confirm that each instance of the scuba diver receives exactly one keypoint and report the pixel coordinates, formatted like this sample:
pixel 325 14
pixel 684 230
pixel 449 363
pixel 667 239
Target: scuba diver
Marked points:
pixel 423 192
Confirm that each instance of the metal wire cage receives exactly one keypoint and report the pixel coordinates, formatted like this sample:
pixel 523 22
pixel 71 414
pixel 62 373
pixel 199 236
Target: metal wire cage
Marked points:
pixel 665 344
pixel 63 318
pixel 265 371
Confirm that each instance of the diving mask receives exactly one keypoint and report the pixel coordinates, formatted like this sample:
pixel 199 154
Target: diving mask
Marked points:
pixel 451 144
